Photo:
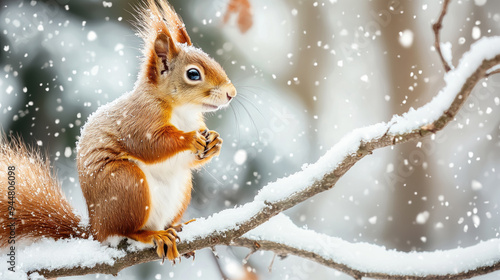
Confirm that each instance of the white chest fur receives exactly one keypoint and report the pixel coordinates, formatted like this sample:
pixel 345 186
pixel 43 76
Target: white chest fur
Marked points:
pixel 186 118
pixel 168 180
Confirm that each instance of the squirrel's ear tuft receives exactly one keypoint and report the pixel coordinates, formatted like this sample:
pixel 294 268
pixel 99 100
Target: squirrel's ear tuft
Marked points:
pixel 174 23
pixel 161 28
pixel 158 15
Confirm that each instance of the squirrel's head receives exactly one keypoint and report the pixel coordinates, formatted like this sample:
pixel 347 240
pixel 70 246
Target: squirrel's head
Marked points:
pixel 180 73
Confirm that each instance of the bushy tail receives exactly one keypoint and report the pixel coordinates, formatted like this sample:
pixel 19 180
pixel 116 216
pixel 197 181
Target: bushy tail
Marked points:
pixel 32 204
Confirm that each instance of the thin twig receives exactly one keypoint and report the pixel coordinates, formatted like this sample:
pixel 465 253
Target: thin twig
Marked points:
pixel 270 268
pixel 215 257
pixel 437 28
pixel 214 252
pixel 492 73
pixel 247 257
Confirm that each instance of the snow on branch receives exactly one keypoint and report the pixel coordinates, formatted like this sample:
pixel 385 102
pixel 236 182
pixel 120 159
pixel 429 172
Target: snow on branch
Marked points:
pixel 228 227
pixel 281 236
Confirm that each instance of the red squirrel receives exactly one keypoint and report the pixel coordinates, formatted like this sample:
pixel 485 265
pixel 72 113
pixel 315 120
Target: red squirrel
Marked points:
pixel 135 155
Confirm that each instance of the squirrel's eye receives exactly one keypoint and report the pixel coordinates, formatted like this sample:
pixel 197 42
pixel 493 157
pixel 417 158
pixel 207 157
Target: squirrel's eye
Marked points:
pixel 193 74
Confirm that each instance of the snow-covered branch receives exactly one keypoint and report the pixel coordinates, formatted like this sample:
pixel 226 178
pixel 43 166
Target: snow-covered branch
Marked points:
pixel 283 237
pixel 227 227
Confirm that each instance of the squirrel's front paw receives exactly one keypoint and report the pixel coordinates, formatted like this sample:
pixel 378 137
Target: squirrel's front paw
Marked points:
pixel 199 143
pixel 213 144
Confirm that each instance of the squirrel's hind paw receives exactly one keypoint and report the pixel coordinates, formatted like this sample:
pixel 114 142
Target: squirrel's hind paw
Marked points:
pixel 166 245
pixel 173 229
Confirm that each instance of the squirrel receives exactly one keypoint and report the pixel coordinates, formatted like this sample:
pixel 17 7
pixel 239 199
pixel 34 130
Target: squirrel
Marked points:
pixel 135 155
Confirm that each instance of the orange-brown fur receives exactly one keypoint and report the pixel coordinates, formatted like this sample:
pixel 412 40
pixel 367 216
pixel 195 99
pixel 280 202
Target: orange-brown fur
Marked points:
pixel 105 161
pixel 138 129
pixel 41 210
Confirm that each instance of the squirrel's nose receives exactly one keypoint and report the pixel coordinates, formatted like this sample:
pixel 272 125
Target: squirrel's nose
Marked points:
pixel 230 93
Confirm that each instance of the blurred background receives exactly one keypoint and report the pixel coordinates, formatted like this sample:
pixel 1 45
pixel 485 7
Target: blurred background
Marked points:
pixel 307 73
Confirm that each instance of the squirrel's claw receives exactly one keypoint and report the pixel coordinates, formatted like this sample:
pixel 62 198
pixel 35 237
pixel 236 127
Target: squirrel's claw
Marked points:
pixel 199 143
pixel 178 228
pixel 166 245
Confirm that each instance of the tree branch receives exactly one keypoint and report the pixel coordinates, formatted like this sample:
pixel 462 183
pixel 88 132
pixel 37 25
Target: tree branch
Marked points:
pixel 225 227
pixel 436 27
pixel 364 260
pixel 493 72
